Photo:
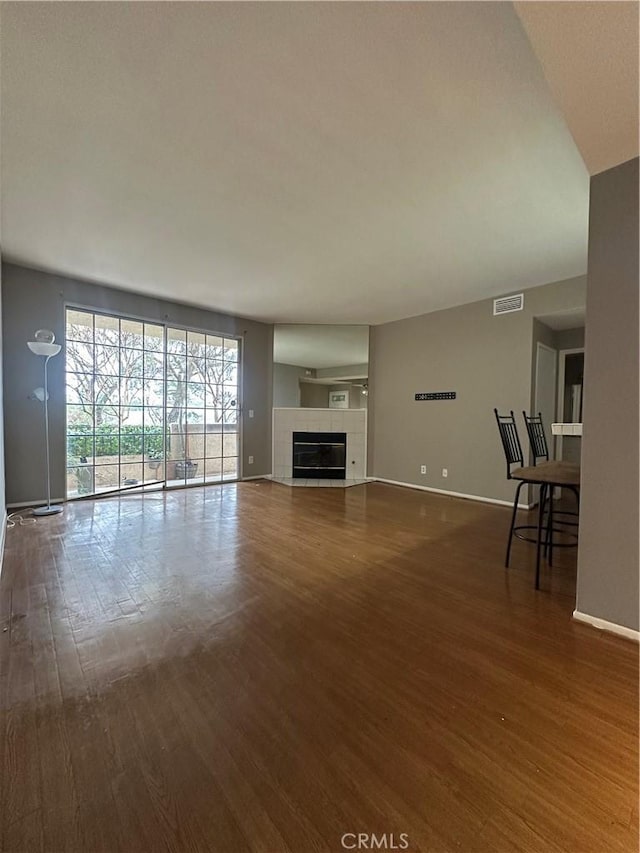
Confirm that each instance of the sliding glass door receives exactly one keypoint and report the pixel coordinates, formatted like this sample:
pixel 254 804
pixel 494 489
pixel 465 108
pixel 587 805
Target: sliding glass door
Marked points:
pixel 202 407
pixel 148 405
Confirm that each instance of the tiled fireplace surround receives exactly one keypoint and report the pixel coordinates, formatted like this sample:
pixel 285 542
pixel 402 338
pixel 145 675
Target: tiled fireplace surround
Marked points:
pixel 351 421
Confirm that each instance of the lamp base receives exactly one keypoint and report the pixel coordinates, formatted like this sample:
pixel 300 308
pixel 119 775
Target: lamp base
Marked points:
pixel 48 510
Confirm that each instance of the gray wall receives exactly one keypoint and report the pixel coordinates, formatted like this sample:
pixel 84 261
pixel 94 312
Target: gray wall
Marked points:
pixel 34 300
pixel 569 339
pixel 286 385
pixel 314 396
pixel 485 359
pixel 608 549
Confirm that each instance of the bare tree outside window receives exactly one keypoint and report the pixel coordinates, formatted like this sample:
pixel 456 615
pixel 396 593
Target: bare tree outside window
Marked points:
pixel 113 378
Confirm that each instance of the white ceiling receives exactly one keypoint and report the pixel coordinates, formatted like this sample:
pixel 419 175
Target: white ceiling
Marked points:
pixel 313 162
pixel 321 346
pixel 561 320
pixel 589 54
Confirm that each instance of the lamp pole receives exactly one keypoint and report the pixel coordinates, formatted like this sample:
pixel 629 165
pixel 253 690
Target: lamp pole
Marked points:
pixel 44 346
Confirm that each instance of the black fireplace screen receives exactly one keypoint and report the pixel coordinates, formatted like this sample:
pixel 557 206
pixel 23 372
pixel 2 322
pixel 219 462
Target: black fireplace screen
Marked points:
pixel 320 454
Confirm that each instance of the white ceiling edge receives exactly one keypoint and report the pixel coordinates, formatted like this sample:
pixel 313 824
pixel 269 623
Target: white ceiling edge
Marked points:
pixel 589 53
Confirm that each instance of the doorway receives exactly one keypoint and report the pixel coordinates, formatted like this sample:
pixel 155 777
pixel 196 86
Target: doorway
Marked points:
pixel 148 405
pixel 570 386
pixel 545 388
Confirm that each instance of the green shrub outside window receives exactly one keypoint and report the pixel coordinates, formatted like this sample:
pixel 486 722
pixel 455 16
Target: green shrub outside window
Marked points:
pixel 111 441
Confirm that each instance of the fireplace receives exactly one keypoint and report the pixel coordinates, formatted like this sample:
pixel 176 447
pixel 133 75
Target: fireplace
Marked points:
pixel 320 455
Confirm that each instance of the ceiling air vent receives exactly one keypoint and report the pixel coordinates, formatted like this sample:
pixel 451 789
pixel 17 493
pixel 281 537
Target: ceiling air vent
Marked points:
pixel 507 304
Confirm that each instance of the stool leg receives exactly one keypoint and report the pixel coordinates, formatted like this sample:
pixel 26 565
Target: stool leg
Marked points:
pixel 547 528
pixel 513 521
pixel 550 529
pixel 543 492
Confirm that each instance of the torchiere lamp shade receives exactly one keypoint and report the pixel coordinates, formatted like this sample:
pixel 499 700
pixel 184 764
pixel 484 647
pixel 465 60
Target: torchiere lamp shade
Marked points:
pixel 47 350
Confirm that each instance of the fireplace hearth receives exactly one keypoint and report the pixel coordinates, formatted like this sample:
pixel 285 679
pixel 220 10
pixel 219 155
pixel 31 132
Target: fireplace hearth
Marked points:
pixel 320 455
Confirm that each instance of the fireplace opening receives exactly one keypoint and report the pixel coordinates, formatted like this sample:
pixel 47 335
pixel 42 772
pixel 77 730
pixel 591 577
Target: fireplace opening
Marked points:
pixel 320 455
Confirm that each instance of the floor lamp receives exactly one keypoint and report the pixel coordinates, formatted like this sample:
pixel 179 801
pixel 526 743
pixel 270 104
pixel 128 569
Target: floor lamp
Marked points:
pixel 45 346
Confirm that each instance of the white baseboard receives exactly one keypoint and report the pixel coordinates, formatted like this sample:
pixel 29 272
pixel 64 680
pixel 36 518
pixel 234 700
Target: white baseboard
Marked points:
pixel 603 625
pixel 23 504
pixel 257 477
pixel 3 537
pixel 478 498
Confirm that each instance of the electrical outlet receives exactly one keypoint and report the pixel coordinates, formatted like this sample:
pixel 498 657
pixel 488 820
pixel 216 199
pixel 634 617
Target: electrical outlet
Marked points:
pixel 423 469
pixel 250 413
pixel 251 460
pixel 445 473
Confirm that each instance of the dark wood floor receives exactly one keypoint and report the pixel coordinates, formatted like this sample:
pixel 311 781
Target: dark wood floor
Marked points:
pixel 262 668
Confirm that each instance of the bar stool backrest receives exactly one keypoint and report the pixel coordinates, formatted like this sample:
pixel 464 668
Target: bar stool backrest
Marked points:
pixel 537 438
pixel 510 440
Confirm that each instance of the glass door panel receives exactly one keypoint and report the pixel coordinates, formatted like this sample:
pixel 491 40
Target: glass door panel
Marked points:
pixel 231 406
pixel 205 411
pixel 80 376
pixel 115 403
pixel 148 405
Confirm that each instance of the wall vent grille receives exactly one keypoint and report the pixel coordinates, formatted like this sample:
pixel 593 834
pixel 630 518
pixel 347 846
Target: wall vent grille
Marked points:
pixel 507 304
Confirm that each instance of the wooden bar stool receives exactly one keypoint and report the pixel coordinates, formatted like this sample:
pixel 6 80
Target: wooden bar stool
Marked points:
pixel 538 441
pixel 540 450
pixel 546 475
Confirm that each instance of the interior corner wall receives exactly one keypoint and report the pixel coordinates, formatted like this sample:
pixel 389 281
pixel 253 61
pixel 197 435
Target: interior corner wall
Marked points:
pixel 286 385
pixel 608 559
pixel 570 339
pixel 314 395
pixel 486 360
pixel 34 300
